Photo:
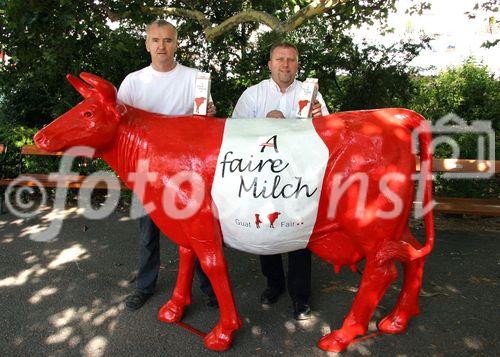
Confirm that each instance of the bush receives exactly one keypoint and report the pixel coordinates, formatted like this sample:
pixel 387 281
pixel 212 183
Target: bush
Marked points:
pixel 472 93
pixel 14 137
pixel 469 91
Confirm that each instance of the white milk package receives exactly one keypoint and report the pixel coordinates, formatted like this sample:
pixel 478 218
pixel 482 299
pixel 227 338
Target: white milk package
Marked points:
pixel 307 97
pixel 201 93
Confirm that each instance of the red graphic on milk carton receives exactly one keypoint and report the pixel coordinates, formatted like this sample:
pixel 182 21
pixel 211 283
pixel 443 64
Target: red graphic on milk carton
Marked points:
pixel 272 217
pixel 302 105
pixel 257 220
pixel 198 101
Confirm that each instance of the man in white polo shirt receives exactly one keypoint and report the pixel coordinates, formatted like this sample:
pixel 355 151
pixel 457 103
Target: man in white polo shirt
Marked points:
pixel 278 97
pixel 164 87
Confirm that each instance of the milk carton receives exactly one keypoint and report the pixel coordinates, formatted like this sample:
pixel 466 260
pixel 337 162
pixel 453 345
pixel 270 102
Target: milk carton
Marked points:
pixel 201 93
pixel 307 97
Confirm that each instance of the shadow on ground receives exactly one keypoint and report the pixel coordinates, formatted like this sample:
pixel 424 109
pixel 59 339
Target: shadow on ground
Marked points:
pixel 65 297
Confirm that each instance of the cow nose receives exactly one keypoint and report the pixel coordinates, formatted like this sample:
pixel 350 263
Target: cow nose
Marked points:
pixel 39 139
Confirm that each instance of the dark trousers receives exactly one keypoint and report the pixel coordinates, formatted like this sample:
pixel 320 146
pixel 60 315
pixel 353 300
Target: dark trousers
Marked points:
pixel 205 285
pixel 299 273
pixel 149 255
pixel 149 259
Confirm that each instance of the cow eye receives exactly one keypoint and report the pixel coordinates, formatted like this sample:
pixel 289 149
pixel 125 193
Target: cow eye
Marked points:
pixel 87 114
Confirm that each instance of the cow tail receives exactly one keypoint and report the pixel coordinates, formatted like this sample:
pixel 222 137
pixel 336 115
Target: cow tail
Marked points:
pixel 400 249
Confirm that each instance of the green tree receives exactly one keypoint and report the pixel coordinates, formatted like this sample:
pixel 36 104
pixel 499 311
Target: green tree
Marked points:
pixel 48 39
pixel 472 93
pixel 469 91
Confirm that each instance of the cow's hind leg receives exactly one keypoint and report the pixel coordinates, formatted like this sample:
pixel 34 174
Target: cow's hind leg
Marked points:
pixel 173 310
pixel 374 282
pixel 214 265
pixel 407 305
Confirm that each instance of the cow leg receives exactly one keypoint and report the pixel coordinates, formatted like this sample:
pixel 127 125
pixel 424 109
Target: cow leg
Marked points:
pixel 407 305
pixel 214 265
pixel 374 282
pixel 173 310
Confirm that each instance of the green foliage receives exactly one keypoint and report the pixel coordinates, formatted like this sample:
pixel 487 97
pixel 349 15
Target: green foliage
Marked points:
pixel 48 39
pixel 471 93
pixel 16 136
pixel 468 91
pixel 378 76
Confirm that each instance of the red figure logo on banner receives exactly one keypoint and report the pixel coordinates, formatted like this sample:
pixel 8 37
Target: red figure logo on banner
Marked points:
pixel 272 218
pixel 369 154
pixel 257 220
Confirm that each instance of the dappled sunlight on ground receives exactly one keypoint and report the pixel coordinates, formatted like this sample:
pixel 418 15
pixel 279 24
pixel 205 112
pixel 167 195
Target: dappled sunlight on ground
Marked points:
pixel 57 315
pixel 67 322
pixel 23 276
pixel 66 297
pixel 96 346
pixel 473 343
pixel 48 216
pixel 72 254
pixel 40 294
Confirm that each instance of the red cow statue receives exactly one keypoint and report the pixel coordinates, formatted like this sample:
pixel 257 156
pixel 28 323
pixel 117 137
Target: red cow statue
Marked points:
pixel 372 143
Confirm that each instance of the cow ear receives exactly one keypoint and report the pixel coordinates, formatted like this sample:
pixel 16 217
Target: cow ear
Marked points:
pixel 79 85
pixel 102 86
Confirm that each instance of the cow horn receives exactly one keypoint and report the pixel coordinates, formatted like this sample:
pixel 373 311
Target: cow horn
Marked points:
pixel 79 85
pixel 102 86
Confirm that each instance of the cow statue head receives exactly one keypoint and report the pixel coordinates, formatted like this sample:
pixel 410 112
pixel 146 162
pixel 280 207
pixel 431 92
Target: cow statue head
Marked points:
pixel 93 122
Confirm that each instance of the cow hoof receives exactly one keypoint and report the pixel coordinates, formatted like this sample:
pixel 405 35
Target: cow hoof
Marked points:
pixel 218 340
pixel 394 323
pixel 334 342
pixel 171 312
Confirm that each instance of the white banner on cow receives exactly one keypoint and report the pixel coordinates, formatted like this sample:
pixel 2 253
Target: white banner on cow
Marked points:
pixel 268 183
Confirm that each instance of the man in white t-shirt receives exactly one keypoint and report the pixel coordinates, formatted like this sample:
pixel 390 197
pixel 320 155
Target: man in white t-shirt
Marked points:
pixel 278 97
pixel 164 87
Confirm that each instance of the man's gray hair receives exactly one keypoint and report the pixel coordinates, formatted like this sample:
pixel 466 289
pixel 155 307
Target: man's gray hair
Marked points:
pixel 160 23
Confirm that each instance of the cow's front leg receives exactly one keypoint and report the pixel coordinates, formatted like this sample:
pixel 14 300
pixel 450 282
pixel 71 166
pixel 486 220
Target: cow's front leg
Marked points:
pixel 214 265
pixel 407 305
pixel 173 310
pixel 375 281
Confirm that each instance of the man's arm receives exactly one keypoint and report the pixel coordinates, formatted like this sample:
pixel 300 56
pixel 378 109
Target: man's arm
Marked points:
pixel 245 106
pixel 125 92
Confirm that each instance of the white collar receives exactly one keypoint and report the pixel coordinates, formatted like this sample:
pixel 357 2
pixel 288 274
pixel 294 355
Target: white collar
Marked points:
pixel 275 85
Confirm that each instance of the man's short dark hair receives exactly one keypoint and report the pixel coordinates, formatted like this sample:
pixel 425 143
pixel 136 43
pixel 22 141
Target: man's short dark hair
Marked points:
pixel 283 45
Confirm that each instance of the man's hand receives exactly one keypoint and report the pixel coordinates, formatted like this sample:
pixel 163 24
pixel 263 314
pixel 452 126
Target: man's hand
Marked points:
pixel 275 114
pixel 316 109
pixel 211 109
